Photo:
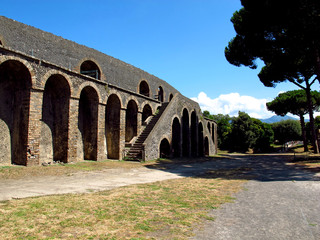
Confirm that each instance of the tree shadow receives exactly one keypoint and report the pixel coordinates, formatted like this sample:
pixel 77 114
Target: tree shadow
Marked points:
pixel 259 167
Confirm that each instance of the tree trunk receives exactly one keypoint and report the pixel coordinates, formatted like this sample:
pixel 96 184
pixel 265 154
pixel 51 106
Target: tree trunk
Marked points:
pixel 303 129
pixel 313 132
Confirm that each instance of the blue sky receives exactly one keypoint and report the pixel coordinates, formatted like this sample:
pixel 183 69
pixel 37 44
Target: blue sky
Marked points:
pixel 179 41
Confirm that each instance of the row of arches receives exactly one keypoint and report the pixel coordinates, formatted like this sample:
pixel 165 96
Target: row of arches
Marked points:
pixel 15 92
pixel 91 69
pixel 145 90
pixel 187 138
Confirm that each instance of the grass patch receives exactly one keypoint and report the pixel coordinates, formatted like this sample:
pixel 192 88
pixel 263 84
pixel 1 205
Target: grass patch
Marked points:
pixel 162 210
pixel 17 172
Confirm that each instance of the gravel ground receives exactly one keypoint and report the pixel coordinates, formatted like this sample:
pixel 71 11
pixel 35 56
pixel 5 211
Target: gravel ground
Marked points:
pixel 282 202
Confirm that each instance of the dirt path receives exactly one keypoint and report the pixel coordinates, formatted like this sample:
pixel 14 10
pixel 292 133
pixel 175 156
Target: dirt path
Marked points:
pixel 280 203
pixel 82 182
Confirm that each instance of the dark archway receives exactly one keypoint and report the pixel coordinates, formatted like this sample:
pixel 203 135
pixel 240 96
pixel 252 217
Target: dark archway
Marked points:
pixel 144 88
pixel 206 146
pixel 146 112
pixel 170 97
pixel 131 121
pixel 160 94
pixel 185 133
pixel 212 133
pixel 91 69
pixel 194 134
pixel 113 127
pixel 55 118
pixel 176 136
pixel 88 122
pixel 209 126
pixel 200 139
pixel 15 85
pixel 164 148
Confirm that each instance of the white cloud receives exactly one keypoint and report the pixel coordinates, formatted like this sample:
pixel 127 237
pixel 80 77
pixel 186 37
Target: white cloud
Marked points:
pixel 232 103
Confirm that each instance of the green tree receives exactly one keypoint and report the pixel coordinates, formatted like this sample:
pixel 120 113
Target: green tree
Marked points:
pixel 295 102
pixel 267 29
pixel 288 130
pixel 285 35
pixel 247 132
pixel 207 114
pixel 223 129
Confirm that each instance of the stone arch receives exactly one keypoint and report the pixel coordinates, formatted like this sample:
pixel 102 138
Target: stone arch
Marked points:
pixel 132 98
pixel 206 146
pixel 131 120
pixel 56 72
pixel 89 85
pixel 112 92
pixel 160 94
pixel 176 137
pixel 170 97
pixel 209 127
pixel 55 119
pixel 200 139
pixel 185 133
pixel 15 85
pixel 146 112
pixel 164 148
pixel 90 68
pixel 194 133
pixel 112 127
pixel 25 63
pixel 88 122
pixel 144 88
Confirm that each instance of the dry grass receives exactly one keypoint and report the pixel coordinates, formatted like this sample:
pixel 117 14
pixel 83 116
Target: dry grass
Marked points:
pixel 161 210
pixel 16 172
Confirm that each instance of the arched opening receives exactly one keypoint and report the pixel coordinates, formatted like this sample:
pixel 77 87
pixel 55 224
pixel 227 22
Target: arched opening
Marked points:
pixel 55 118
pixel 200 139
pixel 176 133
pixel 113 126
pixel 131 121
pixel 144 88
pixel 193 134
pixel 212 133
pixel 209 126
pixel 91 69
pixel 88 122
pixel 206 146
pixel 164 148
pixel 146 112
pixel 160 94
pixel 15 84
pixel 170 97
pixel 185 133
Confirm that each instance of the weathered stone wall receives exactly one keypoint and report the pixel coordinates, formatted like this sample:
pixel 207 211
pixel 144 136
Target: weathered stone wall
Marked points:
pixel 55 113
pixel 70 55
pixel 163 129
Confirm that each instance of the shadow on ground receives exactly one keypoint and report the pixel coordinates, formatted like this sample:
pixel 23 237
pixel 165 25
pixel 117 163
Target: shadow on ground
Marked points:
pixel 260 167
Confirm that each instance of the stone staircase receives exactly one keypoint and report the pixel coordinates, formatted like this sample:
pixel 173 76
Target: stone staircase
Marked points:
pixel 135 151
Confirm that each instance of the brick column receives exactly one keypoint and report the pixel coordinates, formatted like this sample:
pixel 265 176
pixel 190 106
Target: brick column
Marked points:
pixel 101 151
pixel 139 122
pixel 73 137
pixel 122 132
pixel 34 128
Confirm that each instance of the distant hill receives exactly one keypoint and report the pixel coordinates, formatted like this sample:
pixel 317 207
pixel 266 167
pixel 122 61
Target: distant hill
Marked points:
pixel 276 118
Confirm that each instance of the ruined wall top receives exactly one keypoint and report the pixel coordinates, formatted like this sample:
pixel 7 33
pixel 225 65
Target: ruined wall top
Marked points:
pixel 70 55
